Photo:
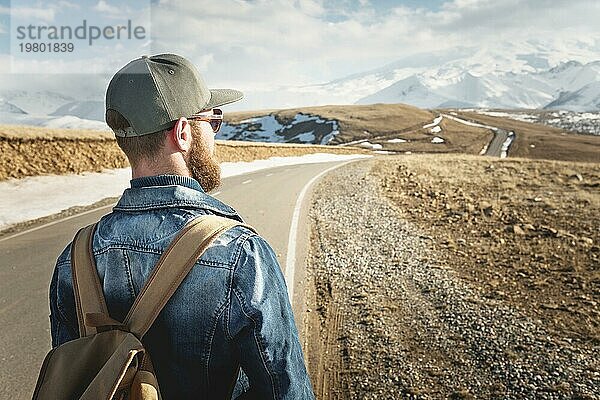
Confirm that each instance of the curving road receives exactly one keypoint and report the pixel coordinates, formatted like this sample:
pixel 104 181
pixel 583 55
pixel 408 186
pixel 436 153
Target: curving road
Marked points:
pixel 500 143
pixel 271 200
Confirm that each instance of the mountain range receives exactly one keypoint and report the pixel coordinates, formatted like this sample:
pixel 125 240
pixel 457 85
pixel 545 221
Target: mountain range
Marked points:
pixel 530 75
pixel 570 86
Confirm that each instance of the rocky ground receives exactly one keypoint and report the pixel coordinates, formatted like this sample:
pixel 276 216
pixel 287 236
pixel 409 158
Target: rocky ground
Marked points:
pixel 426 282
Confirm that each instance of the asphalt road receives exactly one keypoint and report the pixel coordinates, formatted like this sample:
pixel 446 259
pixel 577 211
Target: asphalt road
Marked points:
pixel 495 146
pixel 266 199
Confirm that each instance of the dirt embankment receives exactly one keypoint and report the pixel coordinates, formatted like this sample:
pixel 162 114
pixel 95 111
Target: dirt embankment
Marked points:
pixel 31 151
pixel 448 276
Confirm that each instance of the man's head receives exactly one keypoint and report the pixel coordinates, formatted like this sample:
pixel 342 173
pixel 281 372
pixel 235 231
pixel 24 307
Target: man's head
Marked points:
pixel 165 117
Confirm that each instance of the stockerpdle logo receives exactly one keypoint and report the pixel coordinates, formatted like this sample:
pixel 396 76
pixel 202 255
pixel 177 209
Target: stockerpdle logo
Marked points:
pixel 89 36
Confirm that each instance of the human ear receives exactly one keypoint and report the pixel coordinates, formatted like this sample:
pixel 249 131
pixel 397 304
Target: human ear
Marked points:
pixel 182 134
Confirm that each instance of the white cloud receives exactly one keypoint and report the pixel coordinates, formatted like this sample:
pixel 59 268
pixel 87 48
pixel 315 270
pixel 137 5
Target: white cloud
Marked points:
pixel 509 17
pixel 67 4
pixel 104 7
pixel 33 13
pixel 264 45
pixel 271 41
pixel 267 44
pixel 311 7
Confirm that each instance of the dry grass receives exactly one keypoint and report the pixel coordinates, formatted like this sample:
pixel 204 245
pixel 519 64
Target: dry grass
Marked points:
pixel 543 142
pixel 29 157
pixel 458 138
pixel 23 132
pixel 39 151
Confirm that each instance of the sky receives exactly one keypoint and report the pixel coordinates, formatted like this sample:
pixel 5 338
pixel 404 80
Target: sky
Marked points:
pixel 259 46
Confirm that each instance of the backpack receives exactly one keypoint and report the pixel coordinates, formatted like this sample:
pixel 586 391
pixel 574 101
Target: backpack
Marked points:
pixel 108 361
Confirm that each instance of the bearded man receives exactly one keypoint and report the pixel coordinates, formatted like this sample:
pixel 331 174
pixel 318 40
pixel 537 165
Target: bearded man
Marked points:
pixel 228 331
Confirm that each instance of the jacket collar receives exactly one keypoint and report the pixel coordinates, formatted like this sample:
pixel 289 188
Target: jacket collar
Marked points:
pixel 170 191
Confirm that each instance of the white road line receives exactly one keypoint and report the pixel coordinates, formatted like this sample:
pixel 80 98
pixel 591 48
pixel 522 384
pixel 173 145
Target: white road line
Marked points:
pixel 290 263
pixel 55 222
pixel 248 181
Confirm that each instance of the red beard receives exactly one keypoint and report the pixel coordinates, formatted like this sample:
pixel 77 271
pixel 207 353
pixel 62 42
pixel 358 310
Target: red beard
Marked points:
pixel 201 164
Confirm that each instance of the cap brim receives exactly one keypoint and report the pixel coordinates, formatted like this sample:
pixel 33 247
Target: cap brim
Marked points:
pixel 219 97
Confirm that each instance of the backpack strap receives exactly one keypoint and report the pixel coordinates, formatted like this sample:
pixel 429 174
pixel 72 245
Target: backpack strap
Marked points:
pixel 89 297
pixel 173 266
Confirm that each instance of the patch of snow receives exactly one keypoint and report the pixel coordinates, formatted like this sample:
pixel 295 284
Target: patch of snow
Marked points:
pixel 71 122
pixel 519 117
pixel 469 123
pixel 354 142
pixel 436 129
pixel 579 122
pixel 306 137
pixel 435 122
pixel 268 129
pixel 398 140
pixel 437 139
pixel 369 145
pixel 506 144
pixel 329 137
pixel 250 120
pixel 39 196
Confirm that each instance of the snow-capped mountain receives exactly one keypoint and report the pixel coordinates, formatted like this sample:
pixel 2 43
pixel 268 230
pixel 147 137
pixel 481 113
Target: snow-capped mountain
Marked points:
pixel 550 88
pixel 531 74
pixel 36 102
pixel 409 90
pixel 7 107
pixel 83 109
pixel 50 109
pixel 526 75
pixel 587 98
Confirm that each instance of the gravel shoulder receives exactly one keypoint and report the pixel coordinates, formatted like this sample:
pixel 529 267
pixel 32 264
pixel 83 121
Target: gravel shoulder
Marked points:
pixel 390 315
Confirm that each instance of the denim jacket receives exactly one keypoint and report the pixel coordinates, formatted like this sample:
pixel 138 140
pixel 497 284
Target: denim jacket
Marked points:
pixel 229 321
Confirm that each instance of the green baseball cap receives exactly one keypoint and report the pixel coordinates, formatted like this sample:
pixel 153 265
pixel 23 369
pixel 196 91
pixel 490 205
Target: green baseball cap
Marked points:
pixel 152 92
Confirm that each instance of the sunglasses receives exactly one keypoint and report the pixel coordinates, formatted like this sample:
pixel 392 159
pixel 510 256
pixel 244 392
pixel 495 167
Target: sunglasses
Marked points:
pixel 215 120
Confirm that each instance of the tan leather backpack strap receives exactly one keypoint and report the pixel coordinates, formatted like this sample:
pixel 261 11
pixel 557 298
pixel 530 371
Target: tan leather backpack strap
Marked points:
pixel 89 297
pixel 172 268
